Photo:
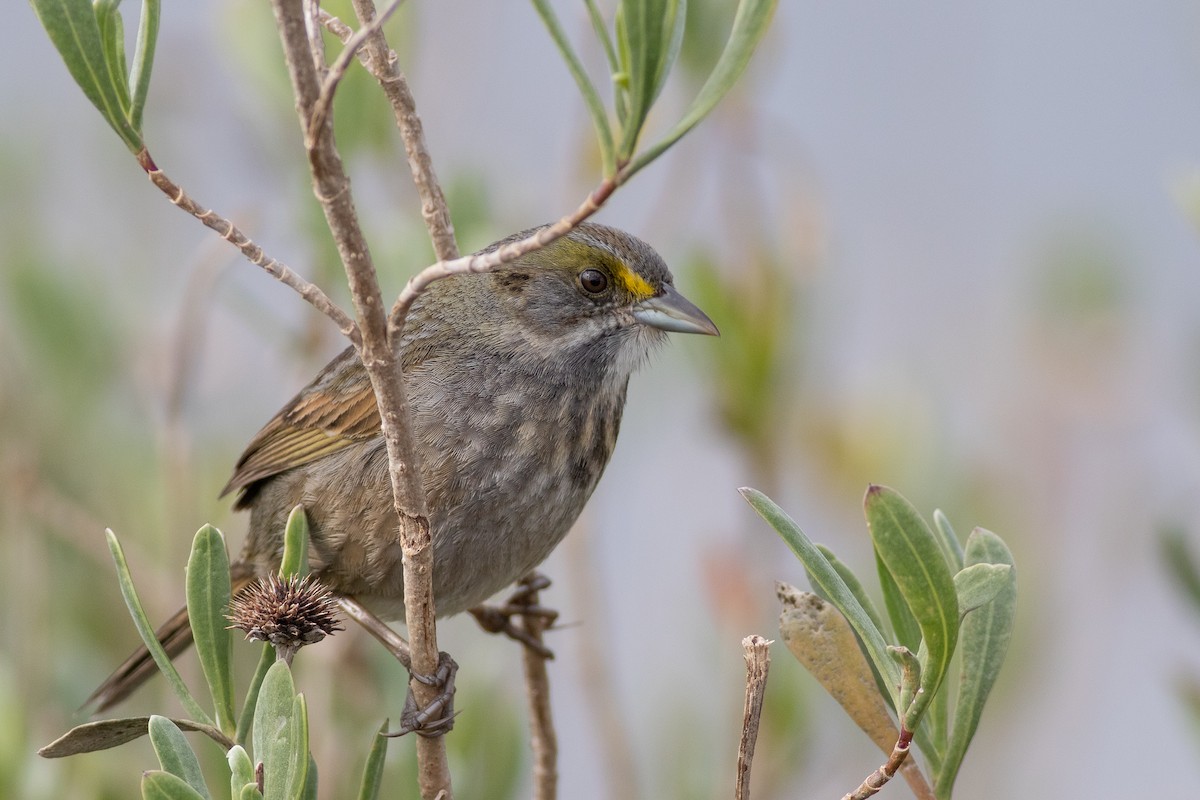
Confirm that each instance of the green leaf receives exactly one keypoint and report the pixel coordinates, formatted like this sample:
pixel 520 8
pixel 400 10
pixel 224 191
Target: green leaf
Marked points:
pixel 159 785
pixel 208 592
pixel 904 625
pixel 978 584
pixel 146 631
pixel 281 735
pixel 749 25
pixel 854 585
pixel 601 30
pixel 826 578
pixel 649 33
pixel 112 39
pixel 73 28
pixel 248 708
pixel 591 97
pixel 372 778
pixel 143 61
pixel 175 754
pixel 948 539
pixel 105 733
pixel 241 769
pixel 309 791
pixel 984 641
pixel 912 556
pixel 295 545
pixel 250 792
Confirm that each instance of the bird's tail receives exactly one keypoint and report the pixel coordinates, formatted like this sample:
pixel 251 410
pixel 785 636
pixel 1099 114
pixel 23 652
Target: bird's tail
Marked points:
pixel 175 635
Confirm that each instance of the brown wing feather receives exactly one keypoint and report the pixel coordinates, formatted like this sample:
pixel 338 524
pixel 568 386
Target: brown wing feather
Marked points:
pixel 334 411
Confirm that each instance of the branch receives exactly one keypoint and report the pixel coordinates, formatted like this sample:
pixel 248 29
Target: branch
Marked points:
pixel 232 234
pixel 758 662
pixel 543 738
pixel 331 186
pixel 876 780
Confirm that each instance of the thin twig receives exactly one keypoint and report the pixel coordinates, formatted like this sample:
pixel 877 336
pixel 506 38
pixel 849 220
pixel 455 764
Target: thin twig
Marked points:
pixel 876 780
pixel 232 234
pixel 331 186
pixel 543 738
pixel 758 662
pixel 337 70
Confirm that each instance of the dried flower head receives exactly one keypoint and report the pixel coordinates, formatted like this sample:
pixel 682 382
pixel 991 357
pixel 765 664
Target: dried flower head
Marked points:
pixel 289 613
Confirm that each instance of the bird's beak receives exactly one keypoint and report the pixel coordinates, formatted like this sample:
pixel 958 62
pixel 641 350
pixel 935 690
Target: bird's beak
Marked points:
pixel 671 311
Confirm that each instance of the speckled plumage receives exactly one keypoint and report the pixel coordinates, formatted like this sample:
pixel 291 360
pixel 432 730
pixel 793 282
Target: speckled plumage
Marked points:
pixel 517 382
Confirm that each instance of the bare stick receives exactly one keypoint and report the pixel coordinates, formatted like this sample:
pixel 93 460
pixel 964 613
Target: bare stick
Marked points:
pixel 543 738
pixel 331 186
pixel 758 662
pixel 337 70
pixel 232 234
pixel 876 780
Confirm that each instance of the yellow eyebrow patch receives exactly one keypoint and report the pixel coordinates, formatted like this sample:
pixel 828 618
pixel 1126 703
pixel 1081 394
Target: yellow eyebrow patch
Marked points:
pixel 631 282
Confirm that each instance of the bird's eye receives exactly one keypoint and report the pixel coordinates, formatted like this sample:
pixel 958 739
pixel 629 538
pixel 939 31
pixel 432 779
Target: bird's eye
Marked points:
pixel 593 281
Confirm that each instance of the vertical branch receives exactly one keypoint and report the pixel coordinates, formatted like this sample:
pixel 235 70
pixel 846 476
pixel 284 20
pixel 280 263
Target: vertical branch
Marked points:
pixel 331 186
pixel 543 738
pixel 758 662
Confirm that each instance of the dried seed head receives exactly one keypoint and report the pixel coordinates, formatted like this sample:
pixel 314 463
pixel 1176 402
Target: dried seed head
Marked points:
pixel 289 613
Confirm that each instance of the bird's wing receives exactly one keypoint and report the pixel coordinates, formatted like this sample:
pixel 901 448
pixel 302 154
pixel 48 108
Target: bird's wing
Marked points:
pixel 335 411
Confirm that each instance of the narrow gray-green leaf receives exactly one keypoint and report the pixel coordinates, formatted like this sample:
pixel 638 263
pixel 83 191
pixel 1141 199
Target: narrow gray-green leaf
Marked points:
pixel 245 720
pixel 986 632
pixel 977 584
pixel 310 780
pixel 649 31
pixel 160 785
pixel 948 539
pixel 208 591
pixel 241 769
pixel 600 28
pixel 904 625
pixel 112 40
pixel 372 778
pixel 143 61
pixel 911 554
pixel 295 544
pixel 72 27
pixel 105 733
pixel 855 586
pixel 146 631
pixel 860 593
pixel 250 792
pixel 278 735
pixel 296 785
pixel 749 25
pixel 591 98
pixel 829 582
pixel 175 754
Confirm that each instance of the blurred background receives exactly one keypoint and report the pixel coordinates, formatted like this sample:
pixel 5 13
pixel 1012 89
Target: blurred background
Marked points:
pixel 953 248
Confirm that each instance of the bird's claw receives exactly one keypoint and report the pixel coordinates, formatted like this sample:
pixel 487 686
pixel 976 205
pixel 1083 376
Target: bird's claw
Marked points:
pixel 522 602
pixel 437 717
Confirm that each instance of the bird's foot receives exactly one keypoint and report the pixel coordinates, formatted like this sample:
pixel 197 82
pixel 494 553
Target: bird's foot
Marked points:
pixel 437 717
pixel 522 603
